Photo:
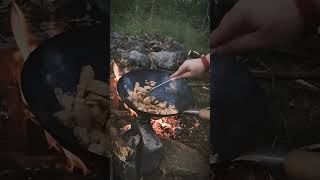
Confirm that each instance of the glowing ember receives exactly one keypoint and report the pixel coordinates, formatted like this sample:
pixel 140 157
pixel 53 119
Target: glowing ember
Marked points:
pixel 165 127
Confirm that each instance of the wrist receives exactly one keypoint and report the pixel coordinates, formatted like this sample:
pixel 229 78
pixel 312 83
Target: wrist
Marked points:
pixel 206 63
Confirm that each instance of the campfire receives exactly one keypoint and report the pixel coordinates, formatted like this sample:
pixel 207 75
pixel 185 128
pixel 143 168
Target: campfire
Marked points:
pixel 146 144
pixel 16 56
pixel 165 127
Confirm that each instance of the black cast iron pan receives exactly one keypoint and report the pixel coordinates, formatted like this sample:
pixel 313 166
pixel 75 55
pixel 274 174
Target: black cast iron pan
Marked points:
pixel 57 63
pixel 176 92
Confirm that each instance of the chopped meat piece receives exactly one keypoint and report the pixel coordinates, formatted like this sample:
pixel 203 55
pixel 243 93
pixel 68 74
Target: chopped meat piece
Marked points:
pixel 152 83
pixel 66 101
pixel 138 96
pixel 79 104
pixel 94 97
pixel 86 111
pixel 64 117
pixel 98 114
pixel 163 105
pixel 83 117
pixel 141 90
pixel 98 87
pixel 86 75
pixel 147 100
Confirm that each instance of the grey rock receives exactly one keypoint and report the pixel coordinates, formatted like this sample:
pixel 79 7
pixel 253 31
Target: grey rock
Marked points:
pixel 167 60
pixel 176 46
pixel 138 59
pixel 185 161
pixel 123 54
pixel 181 162
pixel 173 45
pixel 135 45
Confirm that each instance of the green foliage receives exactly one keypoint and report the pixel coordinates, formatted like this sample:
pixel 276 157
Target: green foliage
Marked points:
pixel 181 19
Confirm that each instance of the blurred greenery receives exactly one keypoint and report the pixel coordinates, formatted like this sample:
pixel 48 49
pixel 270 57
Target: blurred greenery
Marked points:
pixel 184 20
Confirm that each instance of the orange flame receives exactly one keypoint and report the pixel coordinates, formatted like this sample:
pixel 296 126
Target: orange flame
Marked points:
pixel 117 74
pixel 116 71
pixel 52 143
pixel 75 161
pixel 133 113
pixel 23 39
pixel 21 31
pixel 26 45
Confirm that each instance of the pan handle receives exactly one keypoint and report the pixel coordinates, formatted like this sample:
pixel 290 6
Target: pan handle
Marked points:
pixel 202 113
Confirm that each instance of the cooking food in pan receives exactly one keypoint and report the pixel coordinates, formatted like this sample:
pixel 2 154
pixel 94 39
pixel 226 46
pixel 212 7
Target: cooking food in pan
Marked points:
pixel 150 104
pixel 86 111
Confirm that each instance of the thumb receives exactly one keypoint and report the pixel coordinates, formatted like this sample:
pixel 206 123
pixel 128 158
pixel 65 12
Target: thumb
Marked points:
pixel 182 69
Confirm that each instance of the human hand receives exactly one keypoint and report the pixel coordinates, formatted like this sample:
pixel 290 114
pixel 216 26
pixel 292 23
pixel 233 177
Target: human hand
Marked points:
pixel 190 68
pixel 256 24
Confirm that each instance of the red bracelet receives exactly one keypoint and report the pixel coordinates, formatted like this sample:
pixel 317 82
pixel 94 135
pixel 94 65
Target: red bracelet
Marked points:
pixel 205 62
pixel 308 11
